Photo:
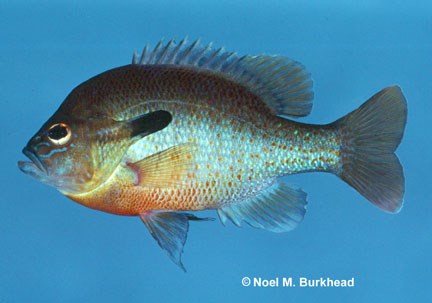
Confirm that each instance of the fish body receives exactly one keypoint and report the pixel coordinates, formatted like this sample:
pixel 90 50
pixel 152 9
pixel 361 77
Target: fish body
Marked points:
pixel 186 128
pixel 236 152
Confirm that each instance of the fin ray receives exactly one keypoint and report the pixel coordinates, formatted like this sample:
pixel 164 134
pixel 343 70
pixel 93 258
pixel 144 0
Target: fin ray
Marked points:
pixel 283 84
pixel 166 168
pixel 170 229
pixel 372 133
pixel 279 208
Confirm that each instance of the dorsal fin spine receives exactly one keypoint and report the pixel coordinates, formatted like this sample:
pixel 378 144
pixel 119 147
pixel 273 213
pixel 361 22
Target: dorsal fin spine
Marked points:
pixel 164 52
pixel 135 57
pixel 187 52
pixel 154 52
pixel 200 54
pixel 144 55
pixel 176 51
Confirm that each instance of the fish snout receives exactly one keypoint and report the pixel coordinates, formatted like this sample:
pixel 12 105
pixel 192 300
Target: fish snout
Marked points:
pixel 30 153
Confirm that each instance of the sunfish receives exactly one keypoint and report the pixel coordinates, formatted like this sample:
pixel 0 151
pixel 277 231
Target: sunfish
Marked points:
pixel 187 128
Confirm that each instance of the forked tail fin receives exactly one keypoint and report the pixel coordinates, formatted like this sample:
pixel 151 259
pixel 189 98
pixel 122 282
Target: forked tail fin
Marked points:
pixel 371 134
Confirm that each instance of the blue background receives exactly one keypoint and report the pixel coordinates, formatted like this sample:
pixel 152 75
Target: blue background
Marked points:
pixel 53 250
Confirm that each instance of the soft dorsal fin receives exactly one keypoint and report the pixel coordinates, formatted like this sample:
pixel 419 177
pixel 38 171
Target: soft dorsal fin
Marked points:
pixel 283 84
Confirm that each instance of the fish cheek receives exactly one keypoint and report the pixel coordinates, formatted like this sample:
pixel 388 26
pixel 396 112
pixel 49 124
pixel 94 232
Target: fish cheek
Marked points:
pixel 73 165
pixel 84 169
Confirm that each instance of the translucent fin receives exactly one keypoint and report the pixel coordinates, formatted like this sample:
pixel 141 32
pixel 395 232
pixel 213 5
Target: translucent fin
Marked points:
pixel 283 84
pixel 170 230
pixel 279 208
pixel 372 133
pixel 166 168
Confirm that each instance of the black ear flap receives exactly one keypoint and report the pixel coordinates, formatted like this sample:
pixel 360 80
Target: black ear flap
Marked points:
pixel 149 123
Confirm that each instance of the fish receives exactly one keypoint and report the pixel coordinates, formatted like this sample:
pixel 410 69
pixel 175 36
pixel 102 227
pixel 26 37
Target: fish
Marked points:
pixel 187 127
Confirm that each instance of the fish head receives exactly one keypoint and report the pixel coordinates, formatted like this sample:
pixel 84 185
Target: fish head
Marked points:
pixel 77 154
pixel 60 155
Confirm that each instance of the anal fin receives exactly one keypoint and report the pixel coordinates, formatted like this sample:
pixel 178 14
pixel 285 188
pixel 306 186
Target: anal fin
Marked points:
pixel 170 230
pixel 279 208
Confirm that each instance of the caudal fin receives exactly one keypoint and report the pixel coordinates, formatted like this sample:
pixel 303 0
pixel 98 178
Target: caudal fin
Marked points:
pixel 371 135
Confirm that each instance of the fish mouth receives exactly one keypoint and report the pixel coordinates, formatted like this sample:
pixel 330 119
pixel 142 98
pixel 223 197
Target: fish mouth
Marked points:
pixel 35 161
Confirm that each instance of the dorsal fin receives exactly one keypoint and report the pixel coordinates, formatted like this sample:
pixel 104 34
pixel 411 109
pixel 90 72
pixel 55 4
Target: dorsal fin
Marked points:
pixel 283 84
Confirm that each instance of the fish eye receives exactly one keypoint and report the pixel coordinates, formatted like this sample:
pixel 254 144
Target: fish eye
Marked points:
pixel 59 133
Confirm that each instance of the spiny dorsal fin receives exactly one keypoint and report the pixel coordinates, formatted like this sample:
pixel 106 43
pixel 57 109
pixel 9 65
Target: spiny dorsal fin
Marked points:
pixel 283 84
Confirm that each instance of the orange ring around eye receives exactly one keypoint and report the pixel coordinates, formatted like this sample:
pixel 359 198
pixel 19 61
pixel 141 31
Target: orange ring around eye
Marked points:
pixel 60 128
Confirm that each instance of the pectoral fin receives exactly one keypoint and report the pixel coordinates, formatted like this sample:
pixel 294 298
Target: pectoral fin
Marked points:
pixel 166 168
pixel 170 230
